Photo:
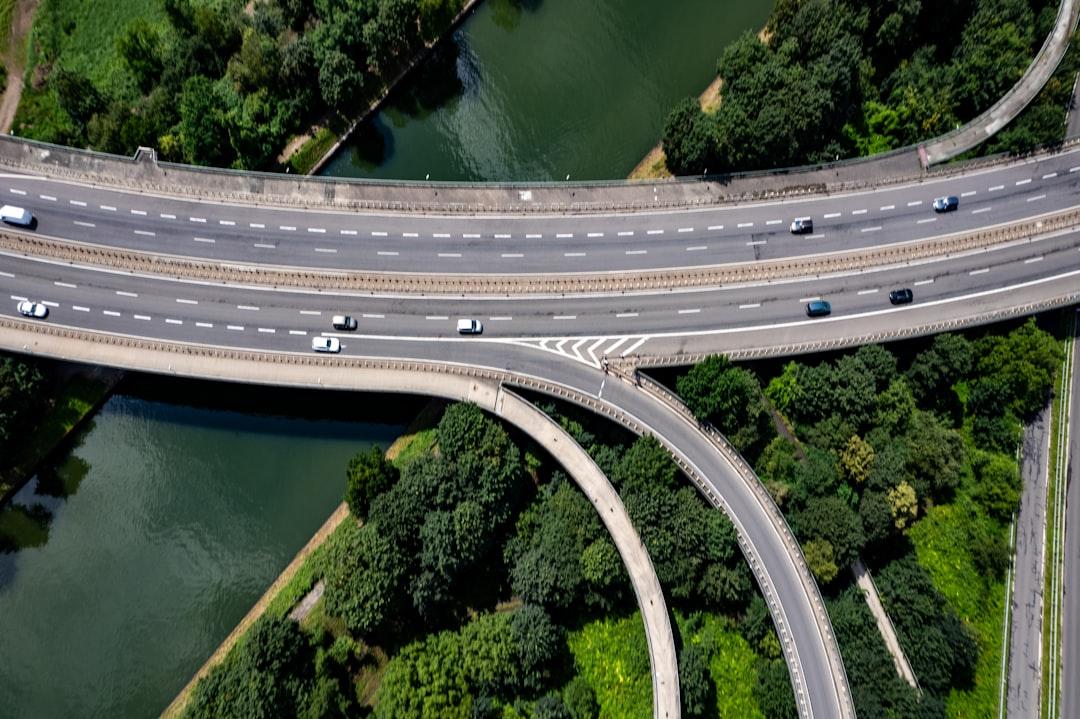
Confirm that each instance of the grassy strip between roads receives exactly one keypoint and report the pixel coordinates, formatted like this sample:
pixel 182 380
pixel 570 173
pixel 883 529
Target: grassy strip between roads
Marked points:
pixel 1055 529
pixel 76 400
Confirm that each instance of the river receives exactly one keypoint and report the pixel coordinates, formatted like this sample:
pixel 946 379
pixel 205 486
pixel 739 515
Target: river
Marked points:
pixel 179 512
pixel 542 89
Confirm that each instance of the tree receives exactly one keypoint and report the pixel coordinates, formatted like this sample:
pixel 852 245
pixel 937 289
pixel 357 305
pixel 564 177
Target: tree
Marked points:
pixel 646 464
pixel 696 686
pixel 369 474
pixel 339 80
pixel 833 520
pixel 203 127
pixel 77 96
pixel 876 515
pixel 20 385
pixel 689 139
pixel 390 32
pixel 256 65
pixel 539 646
pixel 580 699
pixel 364 581
pixel 938 456
pixel 856 460
pixel 997 488
pixel 139 46
pixel 904 504
pixel 895 406
pixel 551 706
pixel 785 390
pixel 935 370
pixel 730 398
pixel 821 560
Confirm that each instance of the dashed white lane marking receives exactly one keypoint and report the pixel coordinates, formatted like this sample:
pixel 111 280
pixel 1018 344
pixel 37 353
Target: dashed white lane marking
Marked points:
pixel 831 215
pixel 981 209
pixel 633 347
pixel 207 325
pixel 80 308
pixel 511 255
pixel 983 271
pixel 138 212
pixel 326 250
pixel 144 318
pixel 80 223
pixel 250 308
pixel 201 220
pixel 167 216
pixel 373 233
pixel 534 236
pixel 310 312
pixel 5 274
pixel 287 228
pixel 470 236
pixel 995 188
pixel 637 252
pixel 753 243
pixel 436 317
pixel 449 254
pixel 257 225
pixel 626 233
pixel 858 212
pixel 564 235
pixel 347 232
pixel 716 227
pixel 1023 182
pixel 694 311
pixel 924 282
pixel 50 198
pixel 18 298
pixel 595 234
pixel 320 230
pixel 773 222
pixel 1049 175
pixel 18 192
pixel 686 229
pixel 573 254
pixel 107 208
pixel 810 299
pixel 263 245
pixel 441 235
pixel 654 232
pixel 302 333
pixel 49 303
pixel 925 220
pixel 1074 169
pixel 875 228
pixel 969 193
pixel 174 322
pixel 503 318
pixel 373 316
pixel 235 328
pixel 1036 197
pixel 408 234
pixel 750 306
pixel 64 284
pixel 697 248
pixel 1031 260
pixel 267 330
pixel 914 203
pixel 814 237
pixel 183 301
pixel 227 223
pixel 110 313
pixel 387 253
pixel 868 292
pixel 623 315
pixel 77 203
pixel 883 208
pixel 144 233
pixel 125 293
pixel 502 236
pixel 564 317
pixel 745 224
pixel 204 239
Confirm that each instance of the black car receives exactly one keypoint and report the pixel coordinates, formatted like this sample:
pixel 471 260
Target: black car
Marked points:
pixel 946 204
pixel 818 308
pixel 901 297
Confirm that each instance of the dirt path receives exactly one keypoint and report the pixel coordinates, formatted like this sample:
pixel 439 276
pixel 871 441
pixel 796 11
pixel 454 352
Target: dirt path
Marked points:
pixel 14 57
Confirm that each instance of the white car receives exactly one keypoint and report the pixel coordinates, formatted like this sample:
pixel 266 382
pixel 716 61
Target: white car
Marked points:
pixel 469 327
pixel 16 216
pixel 33 309
pixel 326 344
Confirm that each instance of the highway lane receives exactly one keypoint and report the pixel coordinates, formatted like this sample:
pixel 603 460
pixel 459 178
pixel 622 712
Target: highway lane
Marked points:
pixel 575 243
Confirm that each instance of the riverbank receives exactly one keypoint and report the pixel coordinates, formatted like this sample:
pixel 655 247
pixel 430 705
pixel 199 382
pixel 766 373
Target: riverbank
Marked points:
pixel 80 391
pixel 313 154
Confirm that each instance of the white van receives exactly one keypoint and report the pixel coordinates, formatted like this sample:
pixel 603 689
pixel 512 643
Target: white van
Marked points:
pixel 16 216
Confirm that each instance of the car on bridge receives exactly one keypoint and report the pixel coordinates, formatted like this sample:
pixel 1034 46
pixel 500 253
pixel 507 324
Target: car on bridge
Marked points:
pixel 343 322
pixel 946 204
pixel 16 216
pixel 326 344
pixel 818 308
pixel 802 226
pixel 33 309
pixel 901 297
pixel 469 327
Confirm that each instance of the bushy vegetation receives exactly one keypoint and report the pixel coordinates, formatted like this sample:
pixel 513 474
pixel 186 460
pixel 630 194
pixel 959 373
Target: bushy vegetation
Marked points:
pixel 908 463
pixel 213 82
pixel 838 78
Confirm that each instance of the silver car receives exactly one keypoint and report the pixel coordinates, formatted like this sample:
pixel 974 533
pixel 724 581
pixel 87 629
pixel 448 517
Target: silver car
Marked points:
pixel 33 309
pixel 326 344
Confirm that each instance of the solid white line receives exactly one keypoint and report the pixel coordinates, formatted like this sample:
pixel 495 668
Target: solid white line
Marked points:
pixel 686 229
pixel 50 198
pixel 595 234
pixel 752 243
pixel 326 250
pixel 174 322
pixel 626 233
pixel 167 216
pixel 830 215
pixel 564 235
pixel 637 252
pixel 573 254
pixel 746 224
pixel 981 209
pixel 18 192
pixel 1023 182
pixel 697 248
pixel 875 228
pixel 249 308
pixel 564 317
pixel 750 306
pixel 373 234
pixel 183 301
pixel 145 318
pixel 858 212
pixel 64 284
pixel 111 313
pixel 1031 260
pixel 267 330
pixel 883 208
pixel 914 203
pixel 107 208
pixel 80 308
pixel 263 245
pixel 983 271
pixel 437 317
pixel 373 316
pixel 302 333
pixel 716 227
pixel 626 314
pixel 925 220
pixel 256 225
pixel 924 282
pixel 235 328
pixel 511 254
pixel 634 346
pixel 145 233
pixel 197 219
pixel 204 324
pixel 287 228
pixel 310 312
pixel 969 193
pixel 320 230
pixel 1036 197
pixel 449 254
pixel 441 235
pixel 868 292
pixel 690 312
pixel 77 203
pixel 138 212
pixel 1049 175
pixel 387 253
pixel 995 188
pixel 470 236
pixel 226 222
pixel 80 223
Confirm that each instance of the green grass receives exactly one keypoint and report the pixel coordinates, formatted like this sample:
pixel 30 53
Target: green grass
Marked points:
pixel 416 445
pixel 7 14
pixel 941 539
pixel 312 151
